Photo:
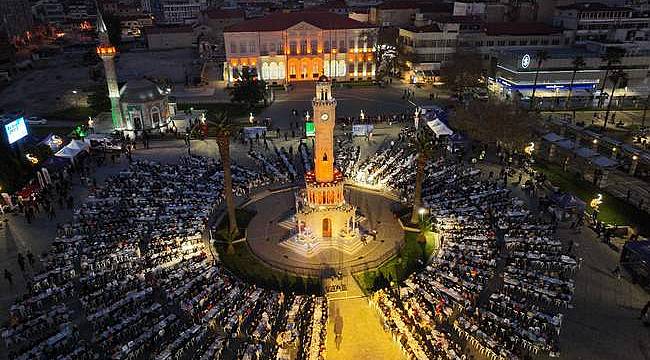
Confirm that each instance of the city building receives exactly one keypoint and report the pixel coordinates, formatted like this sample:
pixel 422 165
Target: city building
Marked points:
pixel 170 37
pixel 49 11
pixel 209 30
pixel 182 11
pixel 511 36
pixel 393 13
pixel 133 26
pixel 78 11
pixel 429 47
pixel 516 70
pixel 600 22
pixel 15 18
pixel 299 46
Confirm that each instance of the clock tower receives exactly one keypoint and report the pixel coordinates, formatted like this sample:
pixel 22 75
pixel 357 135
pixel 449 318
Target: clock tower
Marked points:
pixel 324 106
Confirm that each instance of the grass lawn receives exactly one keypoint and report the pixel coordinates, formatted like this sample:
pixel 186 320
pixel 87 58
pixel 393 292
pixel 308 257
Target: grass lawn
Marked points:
pixel 234 110
pixel 612 210
pixel 411 257
pixel 247 266
pixel 72 114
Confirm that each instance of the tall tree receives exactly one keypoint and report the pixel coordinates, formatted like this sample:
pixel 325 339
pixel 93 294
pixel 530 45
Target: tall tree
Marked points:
pixel 463 71
pixel 224 129
pixel 618 78
pixel 248 88
pixel 496 121
pixel 611 58
pixel 541 57
pixel 423 145
pixel 578 63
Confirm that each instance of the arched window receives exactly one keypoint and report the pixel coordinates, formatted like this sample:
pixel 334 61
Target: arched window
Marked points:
pixel 324 156
pixel 265 71
pixel 326 67
pixel 155 117
pixel 273 71
pixel 281 70
pixel 341 68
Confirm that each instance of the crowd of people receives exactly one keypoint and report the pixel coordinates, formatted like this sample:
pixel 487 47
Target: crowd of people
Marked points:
pixel 500 279
pixel 131 277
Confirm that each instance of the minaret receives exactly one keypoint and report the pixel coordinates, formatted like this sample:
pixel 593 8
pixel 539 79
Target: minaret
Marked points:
pixel 324 120
pixel 107 52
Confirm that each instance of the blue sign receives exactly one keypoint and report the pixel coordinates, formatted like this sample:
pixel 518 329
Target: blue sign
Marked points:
pixel 16 130
pixel 555 86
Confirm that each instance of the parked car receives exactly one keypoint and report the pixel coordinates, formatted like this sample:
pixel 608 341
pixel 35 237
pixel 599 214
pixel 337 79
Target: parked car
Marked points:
pixel 36 120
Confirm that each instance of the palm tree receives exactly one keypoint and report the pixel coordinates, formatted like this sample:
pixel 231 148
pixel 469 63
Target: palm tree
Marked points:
pixel 618 77
pixel 422 143
pixel 224 129
pixel 578 63
pixel 611 57
pixel 542 56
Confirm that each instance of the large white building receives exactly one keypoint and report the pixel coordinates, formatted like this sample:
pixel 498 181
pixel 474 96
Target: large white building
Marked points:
pixel 301 46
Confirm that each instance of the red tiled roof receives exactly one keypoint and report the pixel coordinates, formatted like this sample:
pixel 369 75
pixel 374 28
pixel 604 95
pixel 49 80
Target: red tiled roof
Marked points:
pixel 214 13
pixel 520 29
pixel 282 21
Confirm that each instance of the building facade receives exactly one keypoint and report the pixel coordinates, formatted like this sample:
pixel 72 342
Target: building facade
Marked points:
pixel 301 46
pixel 592 21
pixel 15 18
pixel 516 70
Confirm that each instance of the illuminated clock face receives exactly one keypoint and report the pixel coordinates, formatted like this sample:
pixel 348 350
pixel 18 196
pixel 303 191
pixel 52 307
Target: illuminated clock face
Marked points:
pixel 324 117
pixel 525 61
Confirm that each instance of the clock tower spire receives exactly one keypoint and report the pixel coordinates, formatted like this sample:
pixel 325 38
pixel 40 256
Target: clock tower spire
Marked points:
pixel 324 106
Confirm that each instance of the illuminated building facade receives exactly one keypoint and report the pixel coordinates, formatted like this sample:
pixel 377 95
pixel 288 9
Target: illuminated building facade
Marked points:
pixel 301 46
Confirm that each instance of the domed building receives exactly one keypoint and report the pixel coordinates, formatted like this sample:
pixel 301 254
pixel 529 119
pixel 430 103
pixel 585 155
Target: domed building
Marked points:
pixel 145 106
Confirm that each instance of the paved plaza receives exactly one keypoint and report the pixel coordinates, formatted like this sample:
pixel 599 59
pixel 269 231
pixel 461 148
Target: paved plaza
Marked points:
pixel 602 324
pixel 264 234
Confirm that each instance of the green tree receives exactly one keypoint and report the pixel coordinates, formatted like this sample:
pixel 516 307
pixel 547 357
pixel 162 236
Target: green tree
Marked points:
pixel 224 130
pixel 249 89
pixel 463 71
pixel 578 64
pixel 496 122
pixel 541 57
pixel 619 79
pixel 612 57
pixel 98 99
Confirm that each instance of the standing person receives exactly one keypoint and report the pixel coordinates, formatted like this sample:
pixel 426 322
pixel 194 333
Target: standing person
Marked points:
pixel 9 277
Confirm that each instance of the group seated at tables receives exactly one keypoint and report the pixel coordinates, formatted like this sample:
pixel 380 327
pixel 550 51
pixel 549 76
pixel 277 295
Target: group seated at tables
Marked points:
pixel 131 277
pixel 499 280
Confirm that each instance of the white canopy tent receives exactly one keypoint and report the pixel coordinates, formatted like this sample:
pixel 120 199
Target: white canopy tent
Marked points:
pixel 73 149
pixel 439 128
